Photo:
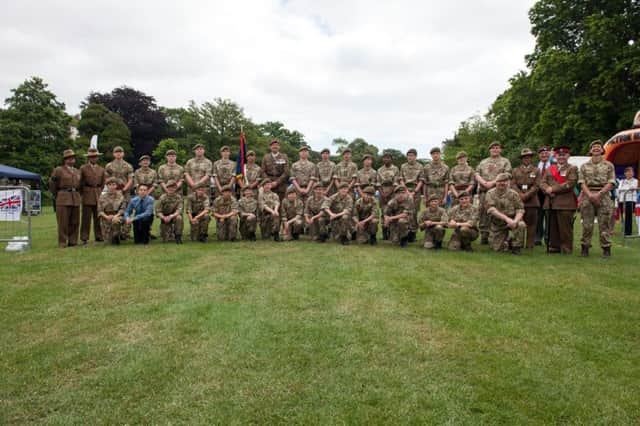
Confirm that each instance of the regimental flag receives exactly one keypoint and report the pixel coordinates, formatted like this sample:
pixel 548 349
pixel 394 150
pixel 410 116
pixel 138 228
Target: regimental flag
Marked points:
pixel 10 205
pixel 241 157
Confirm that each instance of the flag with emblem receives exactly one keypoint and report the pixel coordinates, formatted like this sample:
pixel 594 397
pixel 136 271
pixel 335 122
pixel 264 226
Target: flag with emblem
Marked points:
pixel 10 205
pixel 241 157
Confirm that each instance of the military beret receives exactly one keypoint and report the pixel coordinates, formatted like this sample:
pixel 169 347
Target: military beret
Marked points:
pixel 562 149
pixel 274 141
pixel 251 153
pixel 144 157
pixel 434 197
pixel 369 156
pixel 463 194
pixel 303 148
pixel 291 190
pixel 400 189
pixel 343 185
pixel 461 154
pixel 92 152
pixel 596 142
pixel 68 153
pixel 434 149
pixel 369 190
pixel 118 149
pixel 325 150
pixel 111 180
pixel 346 150
pixel 543 148
pixel 198 145
pixel 226 188
pixel 412 151
pixel 170 152
pixel 224 148
pixel 172 182
pixel 494 143
pixel 526 152
pixel 503 176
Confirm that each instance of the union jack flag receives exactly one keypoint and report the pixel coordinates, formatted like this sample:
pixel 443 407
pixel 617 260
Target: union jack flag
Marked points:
pixel 11 203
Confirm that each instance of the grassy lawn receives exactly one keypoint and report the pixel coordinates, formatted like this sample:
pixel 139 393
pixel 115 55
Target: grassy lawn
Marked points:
pixel 306 333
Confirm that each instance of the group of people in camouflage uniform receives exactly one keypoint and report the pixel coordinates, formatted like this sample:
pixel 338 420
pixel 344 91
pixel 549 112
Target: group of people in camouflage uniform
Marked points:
pixel 328 200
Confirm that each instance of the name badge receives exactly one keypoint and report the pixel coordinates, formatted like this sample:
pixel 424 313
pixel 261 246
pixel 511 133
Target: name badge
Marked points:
pixel 563 173
pixel 525 187
pixel 281 161
pixel 532 175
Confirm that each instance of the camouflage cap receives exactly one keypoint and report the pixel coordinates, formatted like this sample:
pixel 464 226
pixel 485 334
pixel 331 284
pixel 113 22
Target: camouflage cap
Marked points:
pixel 224 148
pixel 412 151
pixel 172 183
pixel 503 176
pixel 369 156
pixel 369 190
pixel 463 194
pixel 303 148
pixel 170 152
pixel 343 185
pixel 461 154
pixel 111 180
pixel 291 190
pixel 251 153
pixel 526 152
pixel 325 150
pixel 596 142
pixel 93 152
pixel 494 143
pixel 68 153
pixel 400 189
pixel 198 145
pixel 144 157
pixel 226 188
pixel 118 149
pixel 435 149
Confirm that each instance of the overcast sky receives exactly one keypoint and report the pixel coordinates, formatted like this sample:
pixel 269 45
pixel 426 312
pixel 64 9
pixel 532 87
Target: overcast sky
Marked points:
pixel 400 74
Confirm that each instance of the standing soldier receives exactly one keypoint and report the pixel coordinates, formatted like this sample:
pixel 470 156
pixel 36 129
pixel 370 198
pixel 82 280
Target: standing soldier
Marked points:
pixel 397 216
pixel 275 166
pixel 122 171
pixel 544 155
pixel 224 170
pixel 64 184
pixel 436 178
pixel 225 210
pixel 169 211
pixel 269 206
pixel 486 173
pixel 412 177
pixel 111 207
pixel 346 171
pixel 291 212
pixel 433 221
pixel 171 171
pixel 338 208
pixel 92 180
pixel 365 217
pixel 198 169
pixel 526 180
pixel 558 184
pixel 326 170
pixel 462 178
pixel 597 178
pixel 506 211
pixel 248 212
pixel 314 215
pixel 367 175
pixel 388 175
pixel 145 175
pixel 463 219
pixel 304 175
pixel 252 175
pixel 198 212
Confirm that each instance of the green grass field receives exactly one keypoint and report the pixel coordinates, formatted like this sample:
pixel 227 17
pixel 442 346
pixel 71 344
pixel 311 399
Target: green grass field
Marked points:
pixel 306 333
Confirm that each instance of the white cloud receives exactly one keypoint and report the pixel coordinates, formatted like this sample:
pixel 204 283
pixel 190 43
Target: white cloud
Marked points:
pixel 400 74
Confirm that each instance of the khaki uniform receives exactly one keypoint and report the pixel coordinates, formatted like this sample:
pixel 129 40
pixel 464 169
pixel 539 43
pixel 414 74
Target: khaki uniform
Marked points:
pixel 92 179
pixel 326 170
pixel 64 184
pixel 195 205
pixel 410 175
pixel 269 225
pixel 340 227
pixel 248 226
pixel 489 169
pixel 312 207
pixel 253 175
pixel 361 210
pixel 111 203
pixel 304 172
pixel 399 229
pixel 168 205
pixel 345 172
pixel 276 168
pixel 122 171
pixel 461 177
pixel 292 210
pixel 367 177
pixel 507 202
pixel 525 182
pixel 226 230
pixel 146 176
pixel 224 171
pixel 436 177
pixel 387 181
pixel 595 175
pixel 168 172
pixel 197 168
pixel 463 236
pixel 561 207
pixel 435 233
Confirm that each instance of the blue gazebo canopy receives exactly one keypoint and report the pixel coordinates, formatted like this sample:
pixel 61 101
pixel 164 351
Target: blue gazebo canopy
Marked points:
pixel 13 173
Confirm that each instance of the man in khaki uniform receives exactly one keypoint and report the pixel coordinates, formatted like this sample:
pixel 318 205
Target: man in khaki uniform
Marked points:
pixel 463 219
pixel 225 210
pixel 412 178
pixel 338 209
pixel 198 213
pixel 506 211
pixel 198 169
pixel 433 221
pixel 224 170
pixel 252 175
pixel 462 178
pixel 315 217
pixel 169 211
pixel 170 171
pixel 596 178
pixel 397 216
pixel 304 175
pixel 326 170
pixel 123 171
pixel 64 185
pixel 367 175
pixel 92 180
pixel 275 166
pixel 436 178
pixel 145 175
pixel 248 213
pixel 291 213
pixel 346 171
pixel 486 173
pixel 388 175
pixel 269 208
pixel 526 180
pixel 111 206
pixel 365 217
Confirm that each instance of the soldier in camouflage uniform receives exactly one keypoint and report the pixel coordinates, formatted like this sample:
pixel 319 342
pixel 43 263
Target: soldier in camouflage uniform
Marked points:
pixel 304 175
pixel 433 221
pixel 397 216
pixel 275 166
pixel 486 173
pixel 326 169
pixel 225 210
pixel 248 212
pixel 291 214
pixel 198 213
pixel 462 178
pixel 506 210
pixel 145 175
pixel 269 208
pixel 315 217
pixel 367 175
pixel 224 170
pixel 412 178
pixel 122 171
pixel 198 170
pixel 346 171
pixel 388 175
pixel 169 211
pixel 596 179
pixel 111 207
pixel 252 174
pixel 463 219
pixel 436 178
pixel 526 180
pixel 338 208
pixel 171 171
pixel 365 217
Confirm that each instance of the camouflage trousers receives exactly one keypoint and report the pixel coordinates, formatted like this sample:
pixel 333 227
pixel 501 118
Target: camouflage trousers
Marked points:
pixel 248 226
pixel 499 232
pixel 413 221
pixel 227 229
pixel 363 234
pixel 398 229
pixel 172 229
pixel 341 227
pixel 110 229
pixel 296 227
pixel 200 229
pixel 484 219
pixel 589 211
pixel 269 225
pixel 433 234
pixel 125 229
pixel 462 238
pixel 318 227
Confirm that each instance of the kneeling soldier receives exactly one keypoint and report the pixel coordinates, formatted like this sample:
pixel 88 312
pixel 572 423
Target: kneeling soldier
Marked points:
pixel 463 219
pixel 169 211
pixel 365 217
pixel 111 205
pixel 314 215
pixel 291 211
pixel 397 216
pixel 432 222
pixel 338 207
pixel 198 212
pixel 248 209
pixel 506 210
pixel 269 206
pixel 225 210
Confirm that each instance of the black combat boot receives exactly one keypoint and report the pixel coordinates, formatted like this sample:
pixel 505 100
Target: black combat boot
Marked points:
pixel 403 242
pixel 411 238
pixel 437 245
pixel 606 252
pixel 344 241
pixel 295 236
pixel 516 251
pixel 385 233
pixel 276 237
pixel 584 252
pixel 353 236
pixel 178 239
pixel 322 238
pixel 115 240
pixel 252 236
pixel 372 240
pixel 484 240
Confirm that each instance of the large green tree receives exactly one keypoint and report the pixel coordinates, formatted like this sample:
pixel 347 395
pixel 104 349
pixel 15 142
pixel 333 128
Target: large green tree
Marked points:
pixel 112 131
